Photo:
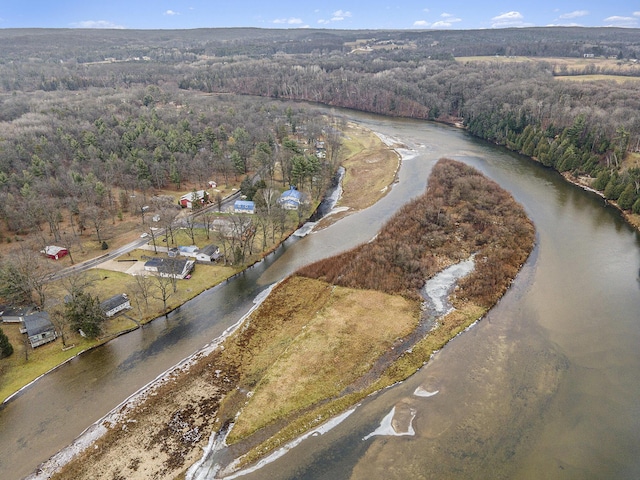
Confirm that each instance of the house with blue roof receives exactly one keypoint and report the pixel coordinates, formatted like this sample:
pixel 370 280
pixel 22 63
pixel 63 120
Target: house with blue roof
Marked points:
pixel 244 206
pixel 291 199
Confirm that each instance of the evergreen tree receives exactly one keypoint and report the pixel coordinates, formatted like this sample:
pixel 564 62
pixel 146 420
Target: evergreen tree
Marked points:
pixel 627 198
pixel 6 349
pixel 83 312
pixel 614 188
pixel 602 180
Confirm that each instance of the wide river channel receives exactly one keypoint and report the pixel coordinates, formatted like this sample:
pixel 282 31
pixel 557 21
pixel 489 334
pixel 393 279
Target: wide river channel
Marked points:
pixel 547 385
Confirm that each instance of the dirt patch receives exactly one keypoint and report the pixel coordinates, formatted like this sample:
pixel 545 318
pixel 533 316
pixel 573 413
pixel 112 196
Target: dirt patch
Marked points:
pixel 134 267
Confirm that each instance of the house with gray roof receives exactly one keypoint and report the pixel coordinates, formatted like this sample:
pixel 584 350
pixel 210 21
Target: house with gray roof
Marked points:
pixel 210 253
pixel 169 267
pixel 116 304
pixel 39 329
pixel 15 314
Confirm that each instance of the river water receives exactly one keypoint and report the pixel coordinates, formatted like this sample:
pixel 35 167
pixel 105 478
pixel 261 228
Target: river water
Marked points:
pixel 546 386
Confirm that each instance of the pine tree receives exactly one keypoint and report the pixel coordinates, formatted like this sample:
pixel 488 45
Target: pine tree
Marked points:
pixel 83 312
pixel 6 349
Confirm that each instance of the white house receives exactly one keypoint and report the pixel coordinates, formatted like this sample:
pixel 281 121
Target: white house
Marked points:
pixel 170 267
pixel 188 250
pixel 210 253
pixel 115 304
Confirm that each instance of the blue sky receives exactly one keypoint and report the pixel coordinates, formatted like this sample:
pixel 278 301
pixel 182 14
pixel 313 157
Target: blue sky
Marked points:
pixel 347 14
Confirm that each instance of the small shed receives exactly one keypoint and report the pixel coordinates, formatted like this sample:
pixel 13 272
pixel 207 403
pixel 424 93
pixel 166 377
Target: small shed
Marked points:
pixel 15 314
pixel 116 304
pixel 39 329
pixel 244 206
pixel 210 253
pixel 291 199
pixel 53 252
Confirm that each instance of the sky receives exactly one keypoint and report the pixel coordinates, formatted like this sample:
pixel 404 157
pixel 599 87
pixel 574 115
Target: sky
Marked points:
pixel 341 14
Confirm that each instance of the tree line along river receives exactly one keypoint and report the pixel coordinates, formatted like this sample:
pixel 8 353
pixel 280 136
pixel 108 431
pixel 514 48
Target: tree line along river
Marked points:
pixel 545 386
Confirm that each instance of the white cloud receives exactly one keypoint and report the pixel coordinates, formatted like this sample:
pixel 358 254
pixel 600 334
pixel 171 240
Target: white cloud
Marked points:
pixel 288 21
pixel 575 14
pixel 337 16
pixel 340 15
pixel 171 12
pixel 619 21
pixel 96 24
pixel 636 14
pixel 421 23
pixel 425 10
pixel 508 19
pixel 447 21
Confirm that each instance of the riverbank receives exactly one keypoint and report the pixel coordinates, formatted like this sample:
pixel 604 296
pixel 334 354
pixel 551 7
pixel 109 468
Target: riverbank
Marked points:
pixel 163 432
pixel 357 140
pixel 370 168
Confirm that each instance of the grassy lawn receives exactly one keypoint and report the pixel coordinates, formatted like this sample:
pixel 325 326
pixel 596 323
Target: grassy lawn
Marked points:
pixel 26 363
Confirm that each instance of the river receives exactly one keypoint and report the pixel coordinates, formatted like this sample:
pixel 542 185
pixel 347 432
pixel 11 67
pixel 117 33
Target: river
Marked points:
pixel 546 386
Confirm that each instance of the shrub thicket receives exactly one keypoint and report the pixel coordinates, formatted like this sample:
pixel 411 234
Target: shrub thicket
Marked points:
pixel 461 213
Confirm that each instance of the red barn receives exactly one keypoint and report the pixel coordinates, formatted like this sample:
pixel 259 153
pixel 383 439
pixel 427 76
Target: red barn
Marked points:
pixel 186 200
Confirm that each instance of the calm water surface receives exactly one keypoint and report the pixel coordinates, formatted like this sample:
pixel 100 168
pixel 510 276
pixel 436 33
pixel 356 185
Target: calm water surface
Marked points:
pixel 546 386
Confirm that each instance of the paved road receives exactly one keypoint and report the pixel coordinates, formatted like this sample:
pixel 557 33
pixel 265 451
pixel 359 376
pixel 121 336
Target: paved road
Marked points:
pixel 86 265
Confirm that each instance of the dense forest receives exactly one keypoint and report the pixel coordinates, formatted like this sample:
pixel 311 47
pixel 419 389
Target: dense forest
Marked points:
pixel 86 111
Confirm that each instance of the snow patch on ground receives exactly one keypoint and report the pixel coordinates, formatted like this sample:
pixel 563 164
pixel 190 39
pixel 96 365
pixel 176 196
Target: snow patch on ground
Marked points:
pixel 388 426
pixel 422 392
pixel 437 289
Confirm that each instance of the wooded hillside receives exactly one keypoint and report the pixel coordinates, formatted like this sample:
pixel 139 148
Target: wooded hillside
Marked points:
pixel 119 100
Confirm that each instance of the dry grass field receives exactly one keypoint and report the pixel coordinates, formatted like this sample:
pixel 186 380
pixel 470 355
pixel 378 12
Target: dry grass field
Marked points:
pixel 598 78
pixel 574 69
